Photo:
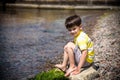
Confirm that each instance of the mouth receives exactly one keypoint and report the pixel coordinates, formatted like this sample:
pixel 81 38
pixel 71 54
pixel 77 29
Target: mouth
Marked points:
pixel 73 34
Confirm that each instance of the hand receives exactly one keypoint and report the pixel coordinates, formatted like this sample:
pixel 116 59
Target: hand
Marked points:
pixel 76 71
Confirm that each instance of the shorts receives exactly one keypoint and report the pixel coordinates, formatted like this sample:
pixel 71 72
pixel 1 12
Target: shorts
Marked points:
pixel 77 55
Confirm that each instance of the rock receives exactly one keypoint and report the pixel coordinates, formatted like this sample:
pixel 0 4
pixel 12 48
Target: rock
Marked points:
pixel 87 74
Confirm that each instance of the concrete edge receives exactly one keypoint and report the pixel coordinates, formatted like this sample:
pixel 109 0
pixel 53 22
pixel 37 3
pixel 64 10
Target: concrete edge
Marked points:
pixel 87 74
pixel 21 5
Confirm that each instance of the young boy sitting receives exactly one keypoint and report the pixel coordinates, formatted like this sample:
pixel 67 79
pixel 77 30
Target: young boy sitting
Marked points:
pixel 78 53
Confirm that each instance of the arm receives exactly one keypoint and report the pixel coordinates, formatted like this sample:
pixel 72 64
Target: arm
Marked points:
pixel 81 63
pixel 82 59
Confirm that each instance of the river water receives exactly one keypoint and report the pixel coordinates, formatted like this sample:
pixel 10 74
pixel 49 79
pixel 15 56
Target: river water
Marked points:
pixel 31 37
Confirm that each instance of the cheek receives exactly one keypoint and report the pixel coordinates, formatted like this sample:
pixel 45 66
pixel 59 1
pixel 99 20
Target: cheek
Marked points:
pixel 75 31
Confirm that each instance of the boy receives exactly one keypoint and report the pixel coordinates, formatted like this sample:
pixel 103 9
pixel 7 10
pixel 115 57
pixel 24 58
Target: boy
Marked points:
pixel 80 52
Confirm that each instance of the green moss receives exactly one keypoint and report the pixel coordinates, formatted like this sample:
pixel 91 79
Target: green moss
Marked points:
pixel 54 74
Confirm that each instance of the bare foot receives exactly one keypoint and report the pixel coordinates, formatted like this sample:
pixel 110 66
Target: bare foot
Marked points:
pixel 61 67
pixel 69 71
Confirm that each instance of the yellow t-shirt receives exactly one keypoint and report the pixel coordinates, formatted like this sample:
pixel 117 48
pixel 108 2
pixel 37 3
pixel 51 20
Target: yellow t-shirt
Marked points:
pixel 84 42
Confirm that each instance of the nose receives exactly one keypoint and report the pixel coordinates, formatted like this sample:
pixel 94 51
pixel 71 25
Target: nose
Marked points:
pixel 72 31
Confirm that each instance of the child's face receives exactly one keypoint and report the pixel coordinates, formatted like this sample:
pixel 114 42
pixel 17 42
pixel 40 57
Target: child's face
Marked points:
pixel 74 31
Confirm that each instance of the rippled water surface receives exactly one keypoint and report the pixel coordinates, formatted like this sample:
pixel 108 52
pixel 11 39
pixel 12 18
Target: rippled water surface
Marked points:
pixel 29 37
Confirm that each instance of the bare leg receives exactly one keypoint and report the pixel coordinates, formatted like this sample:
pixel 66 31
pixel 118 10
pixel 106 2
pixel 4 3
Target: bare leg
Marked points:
pixel 69 49
pixel 68 54
pixel 64 63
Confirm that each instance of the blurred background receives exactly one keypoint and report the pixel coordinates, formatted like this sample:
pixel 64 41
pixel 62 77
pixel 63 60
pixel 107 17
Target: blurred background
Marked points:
pixel 32 35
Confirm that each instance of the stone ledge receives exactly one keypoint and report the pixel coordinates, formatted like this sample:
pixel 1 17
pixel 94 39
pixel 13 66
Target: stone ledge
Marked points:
pixel 87 74
pixel 61 6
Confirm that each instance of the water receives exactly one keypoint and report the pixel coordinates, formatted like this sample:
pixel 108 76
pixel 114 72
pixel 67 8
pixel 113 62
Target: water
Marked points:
pixel 30 37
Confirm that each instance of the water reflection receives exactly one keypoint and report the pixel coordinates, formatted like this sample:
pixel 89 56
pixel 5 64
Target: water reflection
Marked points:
pixel 29 37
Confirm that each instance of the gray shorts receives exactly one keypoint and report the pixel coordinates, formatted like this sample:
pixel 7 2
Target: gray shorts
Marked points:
pixel 77 55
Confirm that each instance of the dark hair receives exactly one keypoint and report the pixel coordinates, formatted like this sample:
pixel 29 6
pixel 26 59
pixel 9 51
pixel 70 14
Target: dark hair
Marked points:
pixel 71 21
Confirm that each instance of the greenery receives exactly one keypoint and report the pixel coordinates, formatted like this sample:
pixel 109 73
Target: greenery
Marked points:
pixel 53 74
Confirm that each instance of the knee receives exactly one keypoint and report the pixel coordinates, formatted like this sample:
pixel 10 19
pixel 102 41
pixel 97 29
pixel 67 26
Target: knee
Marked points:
pixel 69 45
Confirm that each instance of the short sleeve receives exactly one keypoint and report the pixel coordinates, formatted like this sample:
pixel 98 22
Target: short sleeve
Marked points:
pixel 82 44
